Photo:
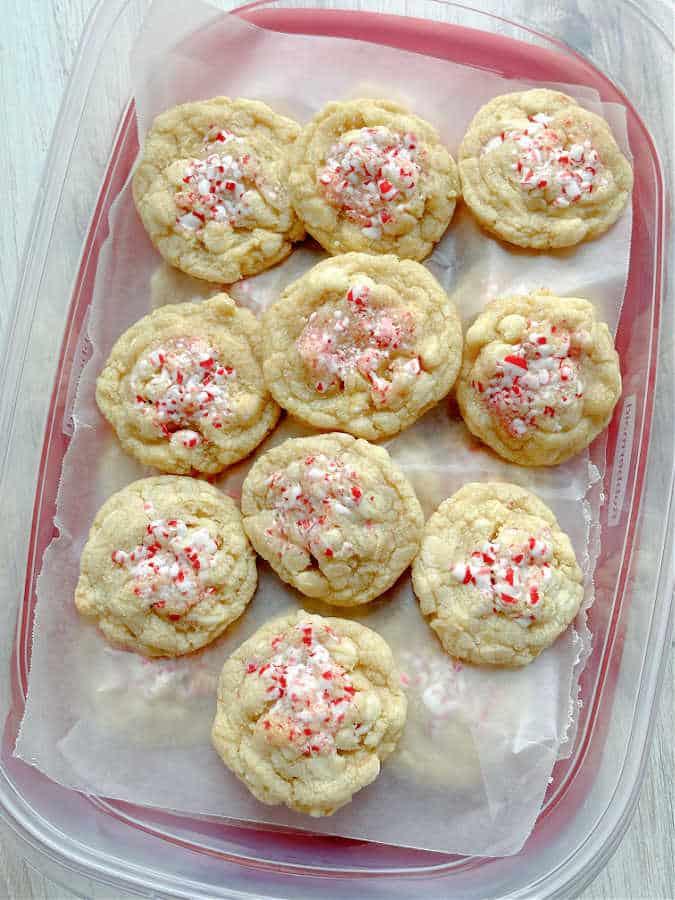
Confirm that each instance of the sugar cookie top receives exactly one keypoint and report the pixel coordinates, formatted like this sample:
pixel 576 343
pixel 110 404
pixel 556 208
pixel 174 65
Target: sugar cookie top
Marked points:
pixel 540 377
pixel 540 171
pixel 368 175
pixel 362 343
pixel 211 188
pixel 167 566
pixel 495 576
pixel 333 516
pixel 184 390
pixel 307 709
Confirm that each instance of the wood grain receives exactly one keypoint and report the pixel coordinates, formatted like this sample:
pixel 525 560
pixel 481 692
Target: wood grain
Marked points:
pixel 37 47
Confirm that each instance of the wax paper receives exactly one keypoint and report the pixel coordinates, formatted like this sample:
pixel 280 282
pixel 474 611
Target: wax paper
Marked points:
pixel 474 762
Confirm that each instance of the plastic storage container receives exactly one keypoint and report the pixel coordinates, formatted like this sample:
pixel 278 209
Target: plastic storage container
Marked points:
pixel 76 839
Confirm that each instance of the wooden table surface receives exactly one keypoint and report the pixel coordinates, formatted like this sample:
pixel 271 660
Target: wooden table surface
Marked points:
pixel 37 44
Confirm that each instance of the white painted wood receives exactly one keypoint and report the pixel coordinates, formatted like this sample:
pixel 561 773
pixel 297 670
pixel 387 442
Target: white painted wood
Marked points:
pixel 38 41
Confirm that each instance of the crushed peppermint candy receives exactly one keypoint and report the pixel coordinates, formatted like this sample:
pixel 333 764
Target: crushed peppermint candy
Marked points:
pixel 180 384
pixel 440 690
pixel 436 681
pixel 170 567
pixel 537 384
pixel 547 167
pixel 309 498
pixel 372 175
pixel 512 575
pixel 170 679
pixel 357 335
pixel 309 692
pixel 221 187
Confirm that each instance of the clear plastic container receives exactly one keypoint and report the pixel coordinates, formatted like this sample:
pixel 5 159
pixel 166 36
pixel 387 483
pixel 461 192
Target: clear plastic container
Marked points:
pixel 78 840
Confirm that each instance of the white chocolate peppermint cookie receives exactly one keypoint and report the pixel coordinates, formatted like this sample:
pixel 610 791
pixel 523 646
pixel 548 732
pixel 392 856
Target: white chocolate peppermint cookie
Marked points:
pixel 362 343
pixel 540 378
pixel 437 746
pixel 333 516
pixel 369 175
pixel 184 390
pixel 151 701
pixel 308 708
pixel 166 567
pixel 495 576
pixel 211 188
pixel 540 171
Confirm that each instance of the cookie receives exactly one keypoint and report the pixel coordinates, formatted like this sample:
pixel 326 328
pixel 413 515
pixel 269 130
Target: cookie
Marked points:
pixel 361 343
pixel 540 378
pixel 460 726
pixel 184 390
pixel 166 567
pixel 333 516
pixel 150 703
pixel 495 576
pixel 437 747
pixel 369 175
pixel 308 708
pixel 211 188
pixel 540 171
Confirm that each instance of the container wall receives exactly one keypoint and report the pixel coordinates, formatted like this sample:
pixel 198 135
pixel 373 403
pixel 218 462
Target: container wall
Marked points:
pixel 77 840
